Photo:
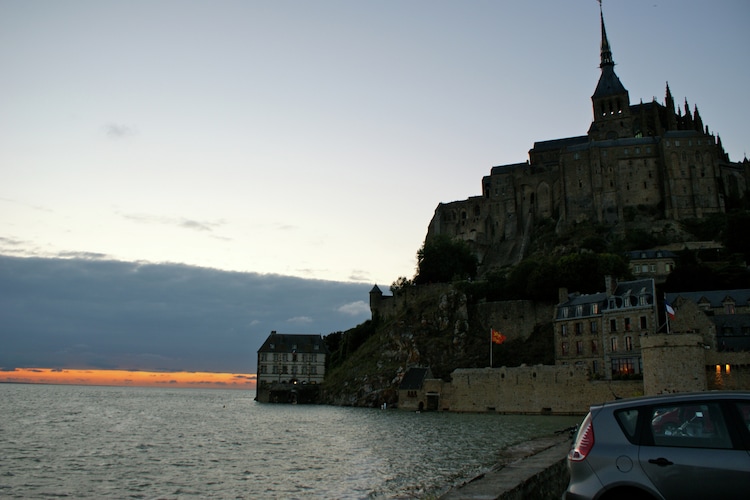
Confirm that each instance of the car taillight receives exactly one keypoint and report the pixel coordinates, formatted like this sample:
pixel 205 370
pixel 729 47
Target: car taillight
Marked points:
pixel 584 441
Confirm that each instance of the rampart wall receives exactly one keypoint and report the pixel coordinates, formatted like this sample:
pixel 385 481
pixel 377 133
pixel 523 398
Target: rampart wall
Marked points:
pixel 544 389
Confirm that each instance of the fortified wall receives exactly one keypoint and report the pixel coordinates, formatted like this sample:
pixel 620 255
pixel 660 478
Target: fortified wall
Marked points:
pixel 539 389
pixel 671 363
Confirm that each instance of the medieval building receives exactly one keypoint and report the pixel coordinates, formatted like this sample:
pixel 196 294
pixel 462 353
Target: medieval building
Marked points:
pixel 645 160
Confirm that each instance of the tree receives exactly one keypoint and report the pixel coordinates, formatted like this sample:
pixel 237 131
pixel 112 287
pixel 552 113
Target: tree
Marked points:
pixel 443 259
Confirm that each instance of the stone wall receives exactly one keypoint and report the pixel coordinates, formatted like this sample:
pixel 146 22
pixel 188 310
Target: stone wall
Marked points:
pixel 540 389
pixel 728 370
pixel 673 363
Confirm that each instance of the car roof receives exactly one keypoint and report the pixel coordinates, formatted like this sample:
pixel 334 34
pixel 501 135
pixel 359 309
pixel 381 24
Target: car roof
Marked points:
pixel 673 398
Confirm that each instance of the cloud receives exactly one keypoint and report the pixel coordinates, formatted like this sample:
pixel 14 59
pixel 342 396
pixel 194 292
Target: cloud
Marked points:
pixel 181 222
pixel 359 275
pixel 357 308
pixel 300 320
pixel 118 131
pixel 88 312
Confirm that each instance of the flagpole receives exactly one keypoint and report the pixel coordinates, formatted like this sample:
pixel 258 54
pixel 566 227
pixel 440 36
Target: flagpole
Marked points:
pixel 490 347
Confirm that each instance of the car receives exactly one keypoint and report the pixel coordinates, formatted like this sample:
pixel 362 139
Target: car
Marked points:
pixel 666 447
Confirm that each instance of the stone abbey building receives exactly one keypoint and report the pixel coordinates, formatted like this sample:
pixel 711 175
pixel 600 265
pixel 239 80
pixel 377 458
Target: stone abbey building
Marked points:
pixel 645 160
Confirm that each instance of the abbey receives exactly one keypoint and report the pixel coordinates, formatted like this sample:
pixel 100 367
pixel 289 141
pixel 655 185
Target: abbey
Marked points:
pixel 646 160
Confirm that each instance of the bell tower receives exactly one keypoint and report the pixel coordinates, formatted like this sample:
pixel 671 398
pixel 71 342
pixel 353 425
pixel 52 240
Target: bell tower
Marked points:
pixel 611 101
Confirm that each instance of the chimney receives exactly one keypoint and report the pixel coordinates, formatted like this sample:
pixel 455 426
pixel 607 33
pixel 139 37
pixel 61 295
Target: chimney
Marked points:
pixel 609 285
pixel 562 295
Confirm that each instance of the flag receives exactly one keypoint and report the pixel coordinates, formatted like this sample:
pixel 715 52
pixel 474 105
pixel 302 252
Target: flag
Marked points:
pixel 497 337
pixel 670 310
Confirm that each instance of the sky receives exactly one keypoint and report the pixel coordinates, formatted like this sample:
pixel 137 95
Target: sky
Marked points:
pixel 313 140
pixel 114 315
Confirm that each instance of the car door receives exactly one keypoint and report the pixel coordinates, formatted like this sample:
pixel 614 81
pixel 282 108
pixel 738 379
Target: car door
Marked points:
pixel 697 458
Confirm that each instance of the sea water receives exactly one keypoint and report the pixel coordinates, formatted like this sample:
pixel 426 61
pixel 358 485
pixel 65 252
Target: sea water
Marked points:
pixel 127 442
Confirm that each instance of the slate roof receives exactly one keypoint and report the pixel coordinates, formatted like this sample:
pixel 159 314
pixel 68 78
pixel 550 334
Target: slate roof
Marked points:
pixel 651 254
pixel 290 342
pixel 714 297
pixel 625 291
pixel 609 84
pixel 414 379
pixel 558 144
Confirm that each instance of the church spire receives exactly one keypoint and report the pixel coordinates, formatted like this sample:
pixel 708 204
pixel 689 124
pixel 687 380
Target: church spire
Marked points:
pixel 610 100
pixel 606 52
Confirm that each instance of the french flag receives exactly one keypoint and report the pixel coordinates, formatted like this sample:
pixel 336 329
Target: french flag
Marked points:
pixel 670 310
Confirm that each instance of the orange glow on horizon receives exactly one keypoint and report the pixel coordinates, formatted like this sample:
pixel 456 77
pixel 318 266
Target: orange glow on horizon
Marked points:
pixel 129 378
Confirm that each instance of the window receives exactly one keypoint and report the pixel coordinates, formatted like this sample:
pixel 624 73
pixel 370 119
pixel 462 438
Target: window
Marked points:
pixel 627 324
pixel 628 343
pixel 594 327
pixel 564 348
pixel 579 347
pixel 263 356
pixel 594 347
pixel 579 310
pixel 579 328
pixel 623 366
pixel 644 323
pixel 690 425
pixel 729 308
pixel 628 420
pixel 564 330
pixel 594 308
pixel 613 325
pixel 613 345
pixel 745 413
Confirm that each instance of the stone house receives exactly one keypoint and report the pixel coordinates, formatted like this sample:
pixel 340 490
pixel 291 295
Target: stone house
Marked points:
pixel 602 331
pixel 288 364
pixel 721 316
pixel 656 264
pixel 412 394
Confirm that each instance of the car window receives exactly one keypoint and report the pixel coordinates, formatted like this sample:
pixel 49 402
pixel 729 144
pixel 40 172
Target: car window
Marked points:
pixel 628 420
pixel 745 413
pixel 690 425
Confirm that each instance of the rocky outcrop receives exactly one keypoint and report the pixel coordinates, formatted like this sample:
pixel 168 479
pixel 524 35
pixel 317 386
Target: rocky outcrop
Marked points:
pixel 436 326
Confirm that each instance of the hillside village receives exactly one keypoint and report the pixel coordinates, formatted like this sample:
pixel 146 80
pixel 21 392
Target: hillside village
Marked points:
pixel 648 184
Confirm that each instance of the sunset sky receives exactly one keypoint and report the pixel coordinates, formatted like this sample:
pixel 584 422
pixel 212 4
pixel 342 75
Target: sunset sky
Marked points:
pixel 129 378
pixel 180 177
